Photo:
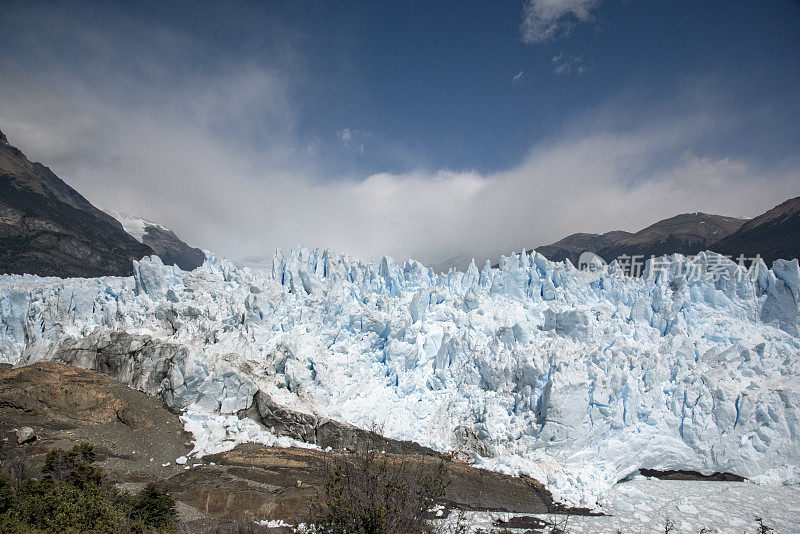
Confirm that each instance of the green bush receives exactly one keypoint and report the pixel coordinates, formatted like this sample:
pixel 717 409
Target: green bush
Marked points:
pixel 62 507
pixel 74 496
pixel 6 494
pixel 73 466
pixel 152 507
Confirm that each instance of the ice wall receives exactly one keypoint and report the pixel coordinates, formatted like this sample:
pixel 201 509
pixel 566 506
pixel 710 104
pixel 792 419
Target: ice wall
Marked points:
pixel 574 378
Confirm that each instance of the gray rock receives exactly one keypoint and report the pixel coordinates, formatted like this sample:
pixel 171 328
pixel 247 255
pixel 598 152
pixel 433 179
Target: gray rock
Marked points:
pixel 473 441
pixel 573 323
pixel 279 420
pixel 25 435
pixel 167 370
pixel 325 433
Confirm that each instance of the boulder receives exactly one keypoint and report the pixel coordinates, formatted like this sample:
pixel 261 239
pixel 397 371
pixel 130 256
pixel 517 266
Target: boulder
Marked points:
pixel 25 435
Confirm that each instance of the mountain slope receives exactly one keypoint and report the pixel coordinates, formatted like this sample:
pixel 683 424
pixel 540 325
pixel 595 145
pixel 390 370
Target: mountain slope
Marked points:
pixel 772 235
pixel 163 241
pixel 48 228
pixel 571 246
pixel 688 233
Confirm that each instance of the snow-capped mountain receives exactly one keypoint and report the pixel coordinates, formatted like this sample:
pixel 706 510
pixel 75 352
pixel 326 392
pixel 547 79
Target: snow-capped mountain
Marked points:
pixel 162 240
pixel 48 228
pixel 577 379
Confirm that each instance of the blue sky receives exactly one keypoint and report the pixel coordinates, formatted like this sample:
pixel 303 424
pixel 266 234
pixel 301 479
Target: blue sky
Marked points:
pixel 428 129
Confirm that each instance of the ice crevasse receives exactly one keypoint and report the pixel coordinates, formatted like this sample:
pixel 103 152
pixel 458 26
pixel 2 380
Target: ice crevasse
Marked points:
pixel 576 379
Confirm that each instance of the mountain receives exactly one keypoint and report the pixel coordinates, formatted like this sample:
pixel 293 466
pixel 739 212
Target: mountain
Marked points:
pixel 459 263
pixel 48 228
pixel 163 241
pixel 772 235
pixel 688 233
pixel 572 245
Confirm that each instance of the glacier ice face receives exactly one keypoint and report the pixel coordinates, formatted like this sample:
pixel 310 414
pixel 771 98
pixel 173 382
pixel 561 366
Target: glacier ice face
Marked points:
pixel 576 379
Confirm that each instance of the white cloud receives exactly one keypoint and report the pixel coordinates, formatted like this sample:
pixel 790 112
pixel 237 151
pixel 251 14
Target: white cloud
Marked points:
pixel 545 20
pixel 344 135
pixel 352 139
pixel 241 202
pixel 564 64
pixel 517 79
pixel 174 152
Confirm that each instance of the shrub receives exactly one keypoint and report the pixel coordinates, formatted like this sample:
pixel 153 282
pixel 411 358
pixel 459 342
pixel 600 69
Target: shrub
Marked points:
pixel 62 507
pixel 74 496
pixel 73 466
pixel 17 465
pixel 152 507
pixel 371 493
pixel 762 528
pixel 6 494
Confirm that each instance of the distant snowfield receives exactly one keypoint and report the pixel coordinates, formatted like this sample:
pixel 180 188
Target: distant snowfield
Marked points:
pixel 135 226
pixel 575 379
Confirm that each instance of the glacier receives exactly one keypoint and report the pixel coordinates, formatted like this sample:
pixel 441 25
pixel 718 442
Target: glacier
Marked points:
pixel 576 379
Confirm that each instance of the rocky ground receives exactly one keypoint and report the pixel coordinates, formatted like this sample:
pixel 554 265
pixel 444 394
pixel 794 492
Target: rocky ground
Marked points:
pixel 133 433
pixel 138 439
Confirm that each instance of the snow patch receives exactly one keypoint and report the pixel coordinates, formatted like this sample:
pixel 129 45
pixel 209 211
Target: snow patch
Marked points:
pixel 134 226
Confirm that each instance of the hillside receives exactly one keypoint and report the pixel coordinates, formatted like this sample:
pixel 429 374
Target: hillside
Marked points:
pixel 48 228
pixel 772 235
pixel 163 241
pixel 687 233
pixel 138 439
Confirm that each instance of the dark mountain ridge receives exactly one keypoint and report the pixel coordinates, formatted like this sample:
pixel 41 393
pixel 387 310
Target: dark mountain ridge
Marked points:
pixel 171 249
pixel 688 233
pixel 163 241
pixel 49 229
pixel 772 235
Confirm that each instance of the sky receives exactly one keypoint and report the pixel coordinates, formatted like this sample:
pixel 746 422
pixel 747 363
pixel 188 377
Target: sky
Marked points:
pixel 429 130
